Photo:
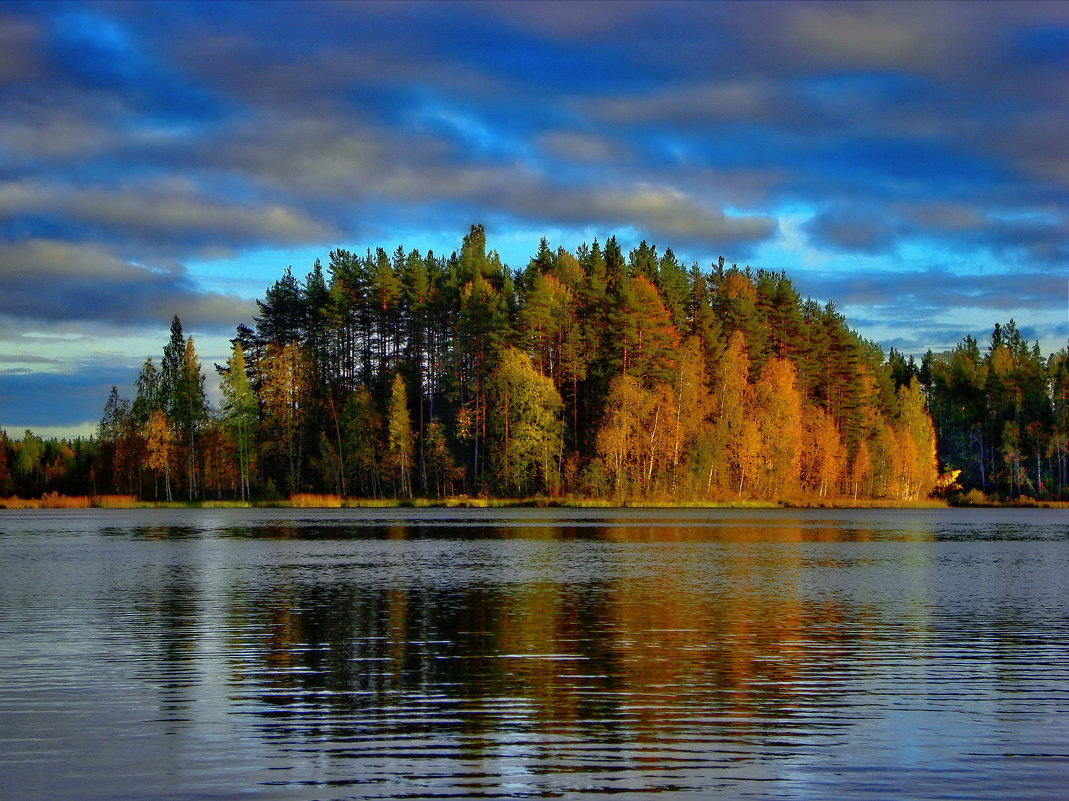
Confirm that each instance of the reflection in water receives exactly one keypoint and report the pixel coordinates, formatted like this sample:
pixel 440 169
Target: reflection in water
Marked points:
pixel 302 657
pixel 644 673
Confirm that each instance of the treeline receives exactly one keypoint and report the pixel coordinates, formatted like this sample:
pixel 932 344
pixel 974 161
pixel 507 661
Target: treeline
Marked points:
pixel 588 373
pixel 1001 414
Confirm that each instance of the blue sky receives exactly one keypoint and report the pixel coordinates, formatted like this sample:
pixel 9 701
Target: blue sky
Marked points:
pixel 907 161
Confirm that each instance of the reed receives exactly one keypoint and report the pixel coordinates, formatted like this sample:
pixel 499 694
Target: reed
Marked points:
pixel 116 502
pixel 50 500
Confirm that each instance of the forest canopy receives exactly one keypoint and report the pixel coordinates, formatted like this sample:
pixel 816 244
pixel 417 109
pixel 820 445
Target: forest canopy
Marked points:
pixel 587 373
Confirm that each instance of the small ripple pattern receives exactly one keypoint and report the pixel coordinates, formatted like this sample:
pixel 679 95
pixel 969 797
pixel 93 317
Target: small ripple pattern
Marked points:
pixel 534 654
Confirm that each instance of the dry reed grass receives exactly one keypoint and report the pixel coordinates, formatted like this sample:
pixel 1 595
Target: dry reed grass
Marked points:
pixel 115 501
pixel 308 500
pixel 50 500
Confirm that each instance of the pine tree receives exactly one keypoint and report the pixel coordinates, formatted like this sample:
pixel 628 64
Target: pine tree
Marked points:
pixel 171 370
pixel 362 442
pixel 283 311
pixel 147 393
pixel 118 449
pixel 190 412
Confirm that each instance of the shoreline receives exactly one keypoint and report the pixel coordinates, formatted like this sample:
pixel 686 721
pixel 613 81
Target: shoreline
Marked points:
pixel 308 501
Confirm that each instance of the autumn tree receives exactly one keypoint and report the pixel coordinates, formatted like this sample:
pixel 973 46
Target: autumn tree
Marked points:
pixel 219 461
pixel 159 439
pixel 284 394
pixel 28 463
pixel 524 427
pixel 693 404
pixel 823 455
pixel 777 410
pixel 621 440
pixel 732 443
pixel 399 440
pixel 916 444
pixel 643 337
pixel 7 485
pixel 736 386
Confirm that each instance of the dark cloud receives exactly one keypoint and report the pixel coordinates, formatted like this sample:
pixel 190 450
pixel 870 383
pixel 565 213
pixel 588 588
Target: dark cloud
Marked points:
pixel 19 55
pixel 872 36
pixel 922 293
pixel 853 229
pixel 55 281
pixel 68 399
pixel 1041 235
pixel 162 213
pixel 749 100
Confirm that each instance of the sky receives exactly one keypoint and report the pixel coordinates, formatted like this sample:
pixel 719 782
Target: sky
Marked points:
pixel 907 161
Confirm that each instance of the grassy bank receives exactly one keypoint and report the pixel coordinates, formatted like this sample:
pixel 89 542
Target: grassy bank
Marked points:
pixel 53 500
pixel 319 501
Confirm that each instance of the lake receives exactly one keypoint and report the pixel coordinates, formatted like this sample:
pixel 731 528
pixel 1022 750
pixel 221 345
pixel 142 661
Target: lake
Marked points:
pixel 369 654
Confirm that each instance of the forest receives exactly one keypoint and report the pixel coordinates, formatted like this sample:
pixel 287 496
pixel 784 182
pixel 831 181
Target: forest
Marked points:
pixel 586 374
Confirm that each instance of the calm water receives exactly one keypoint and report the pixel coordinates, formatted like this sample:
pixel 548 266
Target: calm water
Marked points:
pixel 340 654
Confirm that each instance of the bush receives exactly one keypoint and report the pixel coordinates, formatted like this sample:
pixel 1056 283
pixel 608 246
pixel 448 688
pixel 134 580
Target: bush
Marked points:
pixel 971 498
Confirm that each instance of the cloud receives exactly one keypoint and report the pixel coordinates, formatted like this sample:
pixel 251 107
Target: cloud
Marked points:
pixel 869 35
pixel 580 147
pixel 42 400
pixel 666 213
pixel 852 229
pixel 172 212
pixel 750 100
pixel 19 59
pixel 929 291
pixel 39 134
pixel 366 165
pixel 951 217
pixel 56 281
pixel 935 309
pixel 1040 235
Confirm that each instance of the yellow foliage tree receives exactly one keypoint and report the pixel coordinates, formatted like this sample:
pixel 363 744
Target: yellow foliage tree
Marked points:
pixel 284 393
pixel 823 454
pixel 620 437
pixel 777 410
pixel 399 440
pixel 159 443
pixel 692 398
pixel 733 439
pixel 918 471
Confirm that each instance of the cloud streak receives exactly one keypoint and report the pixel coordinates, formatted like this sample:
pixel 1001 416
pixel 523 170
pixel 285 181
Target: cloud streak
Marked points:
pixel 50 281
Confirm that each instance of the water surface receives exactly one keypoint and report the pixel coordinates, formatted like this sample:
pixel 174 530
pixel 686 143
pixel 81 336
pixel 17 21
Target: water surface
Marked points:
pixel 338 654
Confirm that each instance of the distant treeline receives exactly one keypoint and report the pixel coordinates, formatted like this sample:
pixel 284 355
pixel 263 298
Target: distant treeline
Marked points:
pixel 588 373
pixel 1001 414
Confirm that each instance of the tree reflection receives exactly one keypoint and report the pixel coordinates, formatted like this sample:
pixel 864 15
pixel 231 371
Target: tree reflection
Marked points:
pixel 709 642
